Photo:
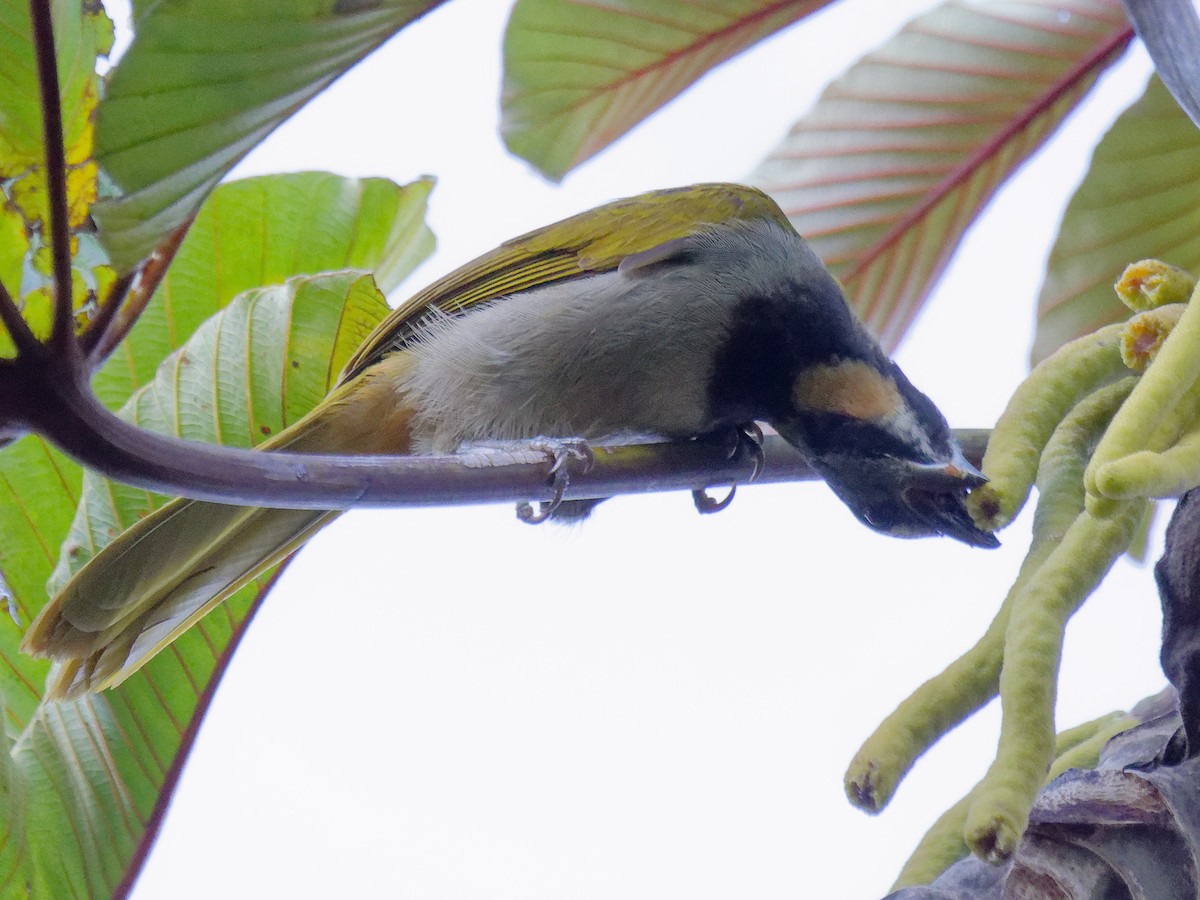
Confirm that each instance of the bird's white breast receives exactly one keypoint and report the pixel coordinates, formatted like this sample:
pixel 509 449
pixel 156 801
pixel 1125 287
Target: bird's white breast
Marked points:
pixel 598 356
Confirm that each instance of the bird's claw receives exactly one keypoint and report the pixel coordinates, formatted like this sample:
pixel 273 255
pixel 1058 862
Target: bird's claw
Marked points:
pixel 705 504
pixel 747 438
pixel 750 440
pixel 562 453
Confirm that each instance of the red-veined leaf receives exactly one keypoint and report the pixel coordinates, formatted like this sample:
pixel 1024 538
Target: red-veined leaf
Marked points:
pixel 578 74
pixel 901 153
pixel 1140 198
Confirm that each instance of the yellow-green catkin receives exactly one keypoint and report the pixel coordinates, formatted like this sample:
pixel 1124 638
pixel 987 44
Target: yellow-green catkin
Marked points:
pixel 1175 371
pixel 1148 474
pixel 1084 751
pixel 1052 389
pixel 1151 282
pixel 972 680
pixel 943 844
pixel 1144 334
pixel 1028 680
pixel 1166 466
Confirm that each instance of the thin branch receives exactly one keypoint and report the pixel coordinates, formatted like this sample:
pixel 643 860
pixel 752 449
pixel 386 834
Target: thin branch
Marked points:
pixel 109 328
pixel 79 425
pixel 101 322
pixel 18 329
pixel 63 333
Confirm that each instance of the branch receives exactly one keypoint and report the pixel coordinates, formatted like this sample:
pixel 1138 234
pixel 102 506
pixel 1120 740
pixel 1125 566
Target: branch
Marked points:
pixel 102 323
pixel 63 334
pixel 80 426
pixel 18 329
pixel 126 303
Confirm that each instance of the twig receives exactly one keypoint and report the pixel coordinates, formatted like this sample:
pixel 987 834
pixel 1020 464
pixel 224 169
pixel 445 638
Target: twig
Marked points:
pixel 101 322
pixel 49 394
pixel 109 328
pixel 75 420
pixel 18 328
pixel 63 334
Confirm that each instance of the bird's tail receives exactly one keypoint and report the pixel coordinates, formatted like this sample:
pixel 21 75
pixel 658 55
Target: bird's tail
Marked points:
pixel 161 576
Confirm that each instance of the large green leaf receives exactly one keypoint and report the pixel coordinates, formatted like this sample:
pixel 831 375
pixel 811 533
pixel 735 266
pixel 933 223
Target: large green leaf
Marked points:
pixel 250 233
pixel 260 231
pixel 205 81
pixel 89 779
pixel 578 75
pixel 39 489
pixel 339 312
pixel 1140 198
pixel 900 154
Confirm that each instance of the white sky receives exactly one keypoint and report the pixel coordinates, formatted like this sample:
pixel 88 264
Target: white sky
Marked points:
pixel 448 704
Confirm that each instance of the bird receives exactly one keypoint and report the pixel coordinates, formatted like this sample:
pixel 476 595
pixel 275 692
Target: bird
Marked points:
pixel 678 313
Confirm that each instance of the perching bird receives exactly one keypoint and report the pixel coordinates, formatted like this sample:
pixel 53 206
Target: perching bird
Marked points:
pixel 676 313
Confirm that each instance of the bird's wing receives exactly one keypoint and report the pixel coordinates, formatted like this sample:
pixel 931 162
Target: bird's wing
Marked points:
pixel 586 244
pixel 159 577
pixel 163 574
pixel 155 581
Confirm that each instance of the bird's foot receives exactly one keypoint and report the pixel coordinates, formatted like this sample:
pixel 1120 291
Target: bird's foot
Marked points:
pixel 562 452
pixel 744 439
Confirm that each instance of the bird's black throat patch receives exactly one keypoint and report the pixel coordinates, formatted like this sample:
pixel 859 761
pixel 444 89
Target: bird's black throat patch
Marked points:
pixel 775 336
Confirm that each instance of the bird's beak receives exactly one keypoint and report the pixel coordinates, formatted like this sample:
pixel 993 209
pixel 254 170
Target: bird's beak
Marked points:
pixel 938 500
pixel 958 472
pixel 910 499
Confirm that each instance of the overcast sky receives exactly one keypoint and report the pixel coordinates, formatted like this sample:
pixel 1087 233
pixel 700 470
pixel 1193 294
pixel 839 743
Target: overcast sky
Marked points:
pixel 448 704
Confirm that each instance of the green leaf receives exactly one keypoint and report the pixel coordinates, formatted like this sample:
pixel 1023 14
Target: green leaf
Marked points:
pixel 274 227
pixel 39 489
pixel 204 82
pixel 80 35
pixel 298 334
pixel 261 231
pixel 88 777
pixel 14 247
pixel 901 153
pixel 578 75
pixel 1140 198
pixel 251 233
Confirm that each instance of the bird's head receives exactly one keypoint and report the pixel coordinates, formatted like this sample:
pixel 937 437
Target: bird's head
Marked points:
pixel 884 448
pixel 808 366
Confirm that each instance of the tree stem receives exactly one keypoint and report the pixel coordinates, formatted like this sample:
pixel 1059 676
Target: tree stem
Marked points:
pixel 73 419
pixel 63 333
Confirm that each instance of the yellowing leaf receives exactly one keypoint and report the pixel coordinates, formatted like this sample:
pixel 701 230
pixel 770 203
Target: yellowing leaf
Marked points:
pixel 78 38
pixel 81 192
pixel 38 311
pixel 81 32
pixel 14 244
